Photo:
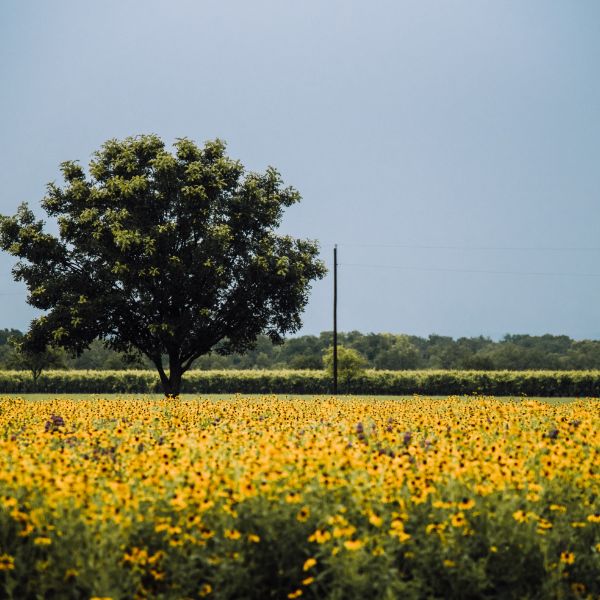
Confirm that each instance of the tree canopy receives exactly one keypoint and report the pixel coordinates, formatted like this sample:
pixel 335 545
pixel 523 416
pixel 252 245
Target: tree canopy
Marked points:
pixel 165 254
pixel 351 363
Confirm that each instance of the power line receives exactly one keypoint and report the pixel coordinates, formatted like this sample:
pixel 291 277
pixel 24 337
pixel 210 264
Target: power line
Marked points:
pixel 491 272
pixel 459 247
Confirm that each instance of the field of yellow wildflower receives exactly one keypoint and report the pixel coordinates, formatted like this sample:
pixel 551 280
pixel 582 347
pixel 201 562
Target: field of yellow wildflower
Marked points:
pixel 299 498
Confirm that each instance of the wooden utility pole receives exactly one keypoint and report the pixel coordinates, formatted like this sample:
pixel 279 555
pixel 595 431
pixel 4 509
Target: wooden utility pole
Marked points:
pixel 335 355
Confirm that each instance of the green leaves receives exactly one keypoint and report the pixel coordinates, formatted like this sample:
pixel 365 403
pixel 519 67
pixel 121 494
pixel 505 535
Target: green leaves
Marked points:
pixel 157 241
pixel 351 363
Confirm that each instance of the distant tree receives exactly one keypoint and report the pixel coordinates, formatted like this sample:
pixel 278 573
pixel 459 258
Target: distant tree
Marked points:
pixel 305 352
pixel 304 361
pixel 518 356
pixel 583 354
pixel 169 255
pixel 472 353
pixel 36 361
pixel 99 356
pixel 213 361
pixel 7 350
pixel 7 334
pixel 442 352
pixel 371 345
pixel 401 354
pixel 350 362
pixel 478 362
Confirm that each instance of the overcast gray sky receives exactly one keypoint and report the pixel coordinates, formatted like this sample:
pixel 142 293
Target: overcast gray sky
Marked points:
pixel 451 148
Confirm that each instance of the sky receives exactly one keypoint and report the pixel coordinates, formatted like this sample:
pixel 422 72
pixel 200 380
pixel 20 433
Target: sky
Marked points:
pixel 451 149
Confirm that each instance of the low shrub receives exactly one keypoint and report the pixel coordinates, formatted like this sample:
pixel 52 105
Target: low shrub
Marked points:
pixel 371 382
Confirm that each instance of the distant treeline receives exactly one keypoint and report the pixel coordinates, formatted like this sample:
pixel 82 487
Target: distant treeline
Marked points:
pixel 381 351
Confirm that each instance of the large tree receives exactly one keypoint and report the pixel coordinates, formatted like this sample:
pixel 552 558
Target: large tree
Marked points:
pixel 167 254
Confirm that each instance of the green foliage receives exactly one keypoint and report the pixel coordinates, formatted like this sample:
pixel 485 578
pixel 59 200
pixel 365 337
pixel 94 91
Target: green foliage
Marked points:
pixel 166 255
pixel 32 360
pixel 351 363
pixel 387 351
pixel 401 354
pixel 100 356
pixel 371 382
pixel 7 334
pixel 505 559
pixel 383 351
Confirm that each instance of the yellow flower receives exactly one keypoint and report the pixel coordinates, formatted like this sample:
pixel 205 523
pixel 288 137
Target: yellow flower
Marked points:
pixel 483 489
pixel 339 532
pixel 10 502
pixel 137 556
pixel 519 516
pixel 435 528
pixel 449 563
pixel 29 528
pixel 42 541
pixel 375 520
pixel 252 537
pixel 178 503
pixel 205 590
pixel 232 534
pixel 353 545
pixel 308 580
pixel 295 594
pixel 7 562
pixel 156 557
pixel 543 525
pixel 303 514
pixel 397 530
pixel 568 558
pixel 458 520
pixel 319 536
pixel 558 508
pixel 595 518
pixel 309 563
pixel 466 504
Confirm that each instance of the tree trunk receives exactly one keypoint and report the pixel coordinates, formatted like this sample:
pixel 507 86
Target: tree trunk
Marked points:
pixel 172 382
pixel 35 373
pixel 172 386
